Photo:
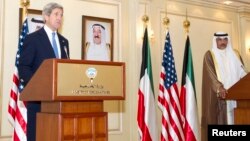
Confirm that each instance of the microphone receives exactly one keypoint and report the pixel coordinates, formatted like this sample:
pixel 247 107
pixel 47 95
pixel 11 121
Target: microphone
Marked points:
pixel 65 49
pixel 37 21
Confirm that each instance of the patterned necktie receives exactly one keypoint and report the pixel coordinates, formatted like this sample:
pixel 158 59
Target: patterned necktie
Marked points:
pixel 54 45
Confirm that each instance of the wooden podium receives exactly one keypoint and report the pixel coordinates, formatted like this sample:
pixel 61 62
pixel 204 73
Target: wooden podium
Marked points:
pixel 241 93
pixel 71 94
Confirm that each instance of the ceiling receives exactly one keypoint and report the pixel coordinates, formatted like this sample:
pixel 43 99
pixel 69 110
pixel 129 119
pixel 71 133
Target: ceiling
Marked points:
pixel 235 3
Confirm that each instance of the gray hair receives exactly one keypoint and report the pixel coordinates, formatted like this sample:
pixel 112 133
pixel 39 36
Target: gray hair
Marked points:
pixel 47 10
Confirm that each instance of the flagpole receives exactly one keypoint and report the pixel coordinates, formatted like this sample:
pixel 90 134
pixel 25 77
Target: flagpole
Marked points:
pixel 145 18
pixel 25 4
pixel 166 20
pixel 186 24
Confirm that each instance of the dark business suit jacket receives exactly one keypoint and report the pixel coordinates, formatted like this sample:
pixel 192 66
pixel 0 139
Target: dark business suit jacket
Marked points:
pixel 36 49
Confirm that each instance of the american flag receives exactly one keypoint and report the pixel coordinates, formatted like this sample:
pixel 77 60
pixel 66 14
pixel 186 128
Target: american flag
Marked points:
pixel 168 98
pixel 17 112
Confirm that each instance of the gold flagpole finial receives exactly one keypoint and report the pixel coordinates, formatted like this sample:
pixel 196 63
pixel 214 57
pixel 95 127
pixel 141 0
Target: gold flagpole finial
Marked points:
pixel 166 20
pixel 145 18
pixel 25 4
pixel 186 23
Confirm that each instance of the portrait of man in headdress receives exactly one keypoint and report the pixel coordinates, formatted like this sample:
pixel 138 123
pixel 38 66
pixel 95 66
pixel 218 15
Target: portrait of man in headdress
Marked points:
pixel 97 48
pixel 97 39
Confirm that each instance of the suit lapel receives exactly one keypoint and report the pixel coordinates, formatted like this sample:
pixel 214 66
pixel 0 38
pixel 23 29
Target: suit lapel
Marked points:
pixel 46 43
pixel 63 46
pixel 45 39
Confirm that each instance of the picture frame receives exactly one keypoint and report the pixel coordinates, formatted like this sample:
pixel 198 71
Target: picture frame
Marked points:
pixel 35 19
pixel 92 27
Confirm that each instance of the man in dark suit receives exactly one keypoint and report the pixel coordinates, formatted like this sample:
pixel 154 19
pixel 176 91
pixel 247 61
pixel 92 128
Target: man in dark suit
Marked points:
pixel 40 45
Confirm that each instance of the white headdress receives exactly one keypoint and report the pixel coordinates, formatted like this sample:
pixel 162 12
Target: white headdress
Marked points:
pixel 229 64
pixel 98 51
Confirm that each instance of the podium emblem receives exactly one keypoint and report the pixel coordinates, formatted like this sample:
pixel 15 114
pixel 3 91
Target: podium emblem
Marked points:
pixel 91 74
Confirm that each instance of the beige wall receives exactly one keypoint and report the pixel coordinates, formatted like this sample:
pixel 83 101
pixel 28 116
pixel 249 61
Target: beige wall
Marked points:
pixel 205 19
pixel 244 29
pixel 1 60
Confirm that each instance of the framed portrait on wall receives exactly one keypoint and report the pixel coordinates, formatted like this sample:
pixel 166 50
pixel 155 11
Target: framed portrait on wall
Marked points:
pixel 97 38
pixel 34 18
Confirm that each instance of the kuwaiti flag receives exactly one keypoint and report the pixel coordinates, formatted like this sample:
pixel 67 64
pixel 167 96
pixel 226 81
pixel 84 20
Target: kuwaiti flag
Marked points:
pixel 188 97
pixel 146 116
